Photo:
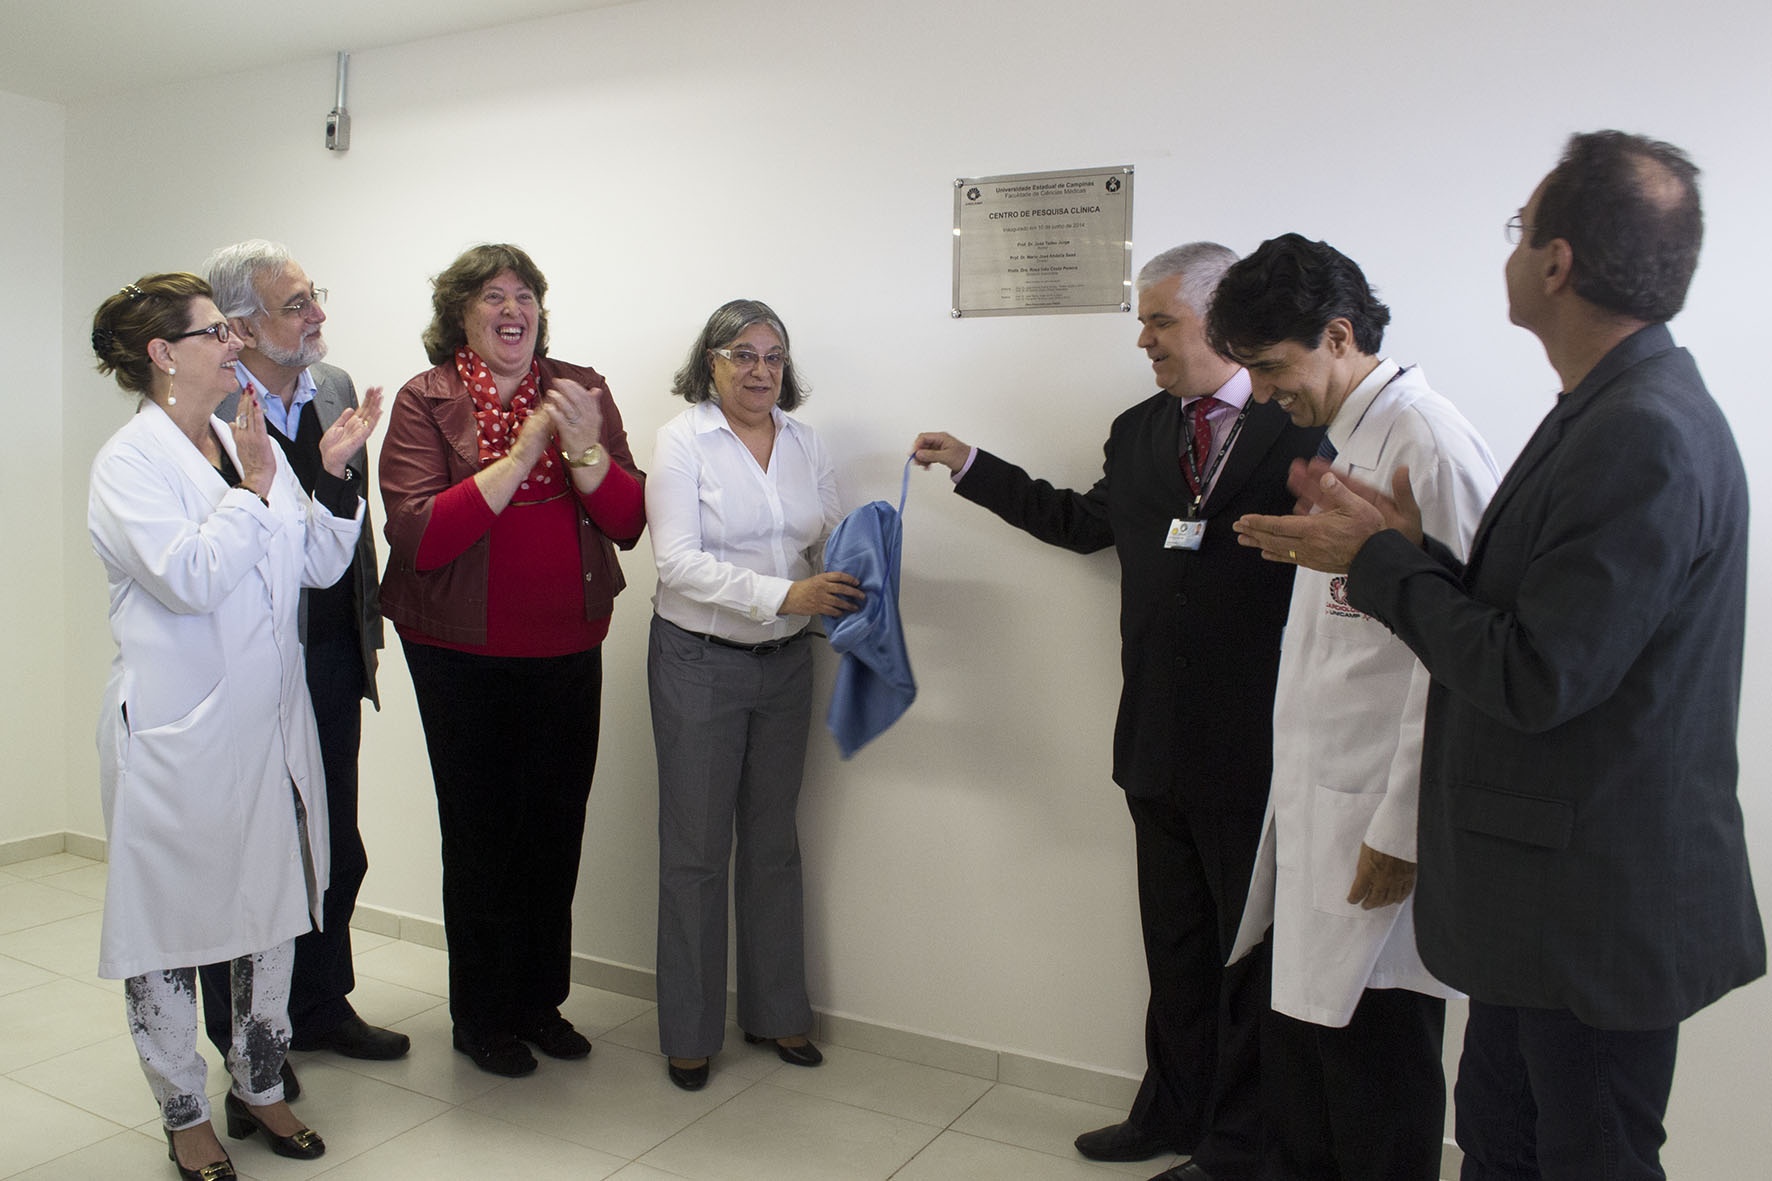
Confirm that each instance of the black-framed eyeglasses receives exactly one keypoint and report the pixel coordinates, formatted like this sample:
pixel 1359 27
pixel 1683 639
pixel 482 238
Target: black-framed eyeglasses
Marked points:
pixel 747 358
pixel 300 304
pixel 1517 229
pixel 219 330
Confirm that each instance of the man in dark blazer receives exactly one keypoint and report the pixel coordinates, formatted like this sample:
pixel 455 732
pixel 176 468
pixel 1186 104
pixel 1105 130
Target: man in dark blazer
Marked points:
pixel 277 311
pixel 1200 645
pixel 1583 871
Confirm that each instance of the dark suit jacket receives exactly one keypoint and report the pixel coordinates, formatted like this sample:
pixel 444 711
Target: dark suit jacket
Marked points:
pixel 333 392
pixel 1581 841
pixel 1199 630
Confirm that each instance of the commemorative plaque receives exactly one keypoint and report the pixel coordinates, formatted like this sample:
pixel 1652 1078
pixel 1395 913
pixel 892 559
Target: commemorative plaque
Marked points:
pixel 1037 243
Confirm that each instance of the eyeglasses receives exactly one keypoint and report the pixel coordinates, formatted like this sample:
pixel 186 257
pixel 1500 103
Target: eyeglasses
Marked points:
pixel 1517 229
pixel 748 358
pixel 300 304
pixel 219 330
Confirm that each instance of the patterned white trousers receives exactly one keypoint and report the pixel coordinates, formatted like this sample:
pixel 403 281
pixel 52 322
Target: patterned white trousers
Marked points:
pixel 162 1009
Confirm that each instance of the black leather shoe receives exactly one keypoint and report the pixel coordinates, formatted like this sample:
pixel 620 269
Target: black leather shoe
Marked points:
pixel 1186 1171
pixel 690 1078
pixel 291 1084
pixel 243 1122
pixel 804 1054
pixel 212 1172
pixel 497 1053
pixel 554 1036
pixel 356 1038
pixel 1121 1142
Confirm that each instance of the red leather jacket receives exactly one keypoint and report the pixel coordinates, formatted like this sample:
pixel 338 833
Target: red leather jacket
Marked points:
pixel 433 444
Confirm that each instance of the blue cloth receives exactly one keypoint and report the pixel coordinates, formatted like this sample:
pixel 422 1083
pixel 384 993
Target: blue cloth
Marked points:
pixel 874 683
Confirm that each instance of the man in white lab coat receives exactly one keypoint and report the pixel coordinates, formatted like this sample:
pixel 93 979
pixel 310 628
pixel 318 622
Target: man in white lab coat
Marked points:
pixel 1351 1075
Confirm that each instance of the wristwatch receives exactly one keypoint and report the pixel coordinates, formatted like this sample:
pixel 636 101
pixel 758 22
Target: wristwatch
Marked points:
pixel 589 457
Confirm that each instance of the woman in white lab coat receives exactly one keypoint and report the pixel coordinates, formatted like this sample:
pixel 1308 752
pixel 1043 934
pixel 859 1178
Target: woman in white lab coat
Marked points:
pixel 210 771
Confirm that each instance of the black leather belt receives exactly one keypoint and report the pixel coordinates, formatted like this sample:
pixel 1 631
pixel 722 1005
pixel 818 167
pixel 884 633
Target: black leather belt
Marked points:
pixel 763 649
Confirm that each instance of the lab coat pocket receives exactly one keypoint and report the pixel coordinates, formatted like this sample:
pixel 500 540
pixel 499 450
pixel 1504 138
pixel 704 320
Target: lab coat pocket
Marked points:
pixel 1339 822
pixel 182 774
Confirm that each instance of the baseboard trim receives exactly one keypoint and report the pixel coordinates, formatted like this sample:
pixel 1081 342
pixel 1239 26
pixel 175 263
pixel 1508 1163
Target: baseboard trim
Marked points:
pixel 1049 1076
pixel 1065 1079
pixel 49 844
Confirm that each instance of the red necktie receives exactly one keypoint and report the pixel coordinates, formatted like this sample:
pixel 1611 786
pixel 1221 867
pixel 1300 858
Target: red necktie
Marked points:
pixel 1200 451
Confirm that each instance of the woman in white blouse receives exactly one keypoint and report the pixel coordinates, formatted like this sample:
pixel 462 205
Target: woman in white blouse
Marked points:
pixel 740 501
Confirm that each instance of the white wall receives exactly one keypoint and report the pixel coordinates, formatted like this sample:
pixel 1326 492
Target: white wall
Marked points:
pixel 33 799
pixel 970 873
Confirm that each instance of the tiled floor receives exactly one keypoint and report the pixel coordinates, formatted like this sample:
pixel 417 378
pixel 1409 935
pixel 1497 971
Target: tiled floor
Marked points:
pixel 73 1102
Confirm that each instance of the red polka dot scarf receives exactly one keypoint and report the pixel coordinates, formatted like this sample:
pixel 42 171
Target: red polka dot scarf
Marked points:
pixel 499 424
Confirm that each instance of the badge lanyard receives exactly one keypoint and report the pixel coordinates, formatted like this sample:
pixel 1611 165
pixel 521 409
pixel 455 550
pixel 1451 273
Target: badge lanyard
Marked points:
pixel 1189 531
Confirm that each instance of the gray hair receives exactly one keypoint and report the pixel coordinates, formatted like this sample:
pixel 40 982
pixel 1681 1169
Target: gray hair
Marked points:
pixel 1200 264
pixel 234 272
pixel 694 383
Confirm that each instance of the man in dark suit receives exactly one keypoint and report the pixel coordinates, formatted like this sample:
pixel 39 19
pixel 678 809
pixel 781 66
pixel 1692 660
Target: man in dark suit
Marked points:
pixel 277 311
pixel 1583 868
pixel 1200 645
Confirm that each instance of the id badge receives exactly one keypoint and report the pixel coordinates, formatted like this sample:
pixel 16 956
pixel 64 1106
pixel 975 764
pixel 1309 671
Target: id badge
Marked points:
pixel 1185 534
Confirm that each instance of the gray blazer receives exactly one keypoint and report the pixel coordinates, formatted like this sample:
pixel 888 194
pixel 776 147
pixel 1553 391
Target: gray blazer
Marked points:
pixel 333 392
pixel 1581 841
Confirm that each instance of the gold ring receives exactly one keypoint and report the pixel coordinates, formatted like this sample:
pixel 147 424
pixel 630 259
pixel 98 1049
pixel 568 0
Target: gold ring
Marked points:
pixel 1293 554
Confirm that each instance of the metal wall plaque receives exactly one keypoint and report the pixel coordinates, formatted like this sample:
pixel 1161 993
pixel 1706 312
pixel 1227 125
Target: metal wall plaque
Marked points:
pixel 1041 242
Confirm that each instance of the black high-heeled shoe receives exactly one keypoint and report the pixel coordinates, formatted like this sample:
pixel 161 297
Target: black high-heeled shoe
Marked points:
pixel 212 1172
pixel 243 1122
pixel 804 1054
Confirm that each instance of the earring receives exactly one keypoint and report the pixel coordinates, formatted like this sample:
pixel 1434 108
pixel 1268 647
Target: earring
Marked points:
pixel 171 399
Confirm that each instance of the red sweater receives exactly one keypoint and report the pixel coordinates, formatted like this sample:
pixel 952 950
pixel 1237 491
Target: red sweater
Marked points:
pixel 534 580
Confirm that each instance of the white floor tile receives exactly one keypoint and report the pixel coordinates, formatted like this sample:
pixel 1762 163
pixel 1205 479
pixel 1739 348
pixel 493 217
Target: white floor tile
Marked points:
pixel 461 1144
pixel 423 969
pixel 957 1157
pixel 618 1100
pixel 87 879
pixel 67 946
pixel 768 1134
pixel 382 1003
pixel 595 1011
pixel 886 1085
pixel 28 904
pixel 38 1128
pixel 640 1172
pixel 735 1057
pixel 73 1101
pixel 106 1078
pixel 16 974
pixel 431 1067
pixel 39 867
pixel 51 1019
pixel 1045 1123
pixel 352 1113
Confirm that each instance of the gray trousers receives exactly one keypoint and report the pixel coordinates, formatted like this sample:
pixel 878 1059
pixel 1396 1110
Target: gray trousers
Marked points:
pixel 162 1009
pixel 730 728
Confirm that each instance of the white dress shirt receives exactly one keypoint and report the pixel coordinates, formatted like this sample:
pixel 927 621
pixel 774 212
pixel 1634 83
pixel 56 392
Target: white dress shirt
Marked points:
pixel 730 537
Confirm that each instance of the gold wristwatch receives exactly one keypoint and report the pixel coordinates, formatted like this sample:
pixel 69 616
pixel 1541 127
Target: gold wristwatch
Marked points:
pixel 590 457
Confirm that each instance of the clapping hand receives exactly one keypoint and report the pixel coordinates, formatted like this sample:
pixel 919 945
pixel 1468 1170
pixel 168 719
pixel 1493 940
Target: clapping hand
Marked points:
pixel 349 432
pixel 258 455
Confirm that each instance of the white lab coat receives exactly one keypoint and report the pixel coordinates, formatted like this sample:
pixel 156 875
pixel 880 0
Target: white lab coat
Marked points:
pixel 206 719
pixel 1347 724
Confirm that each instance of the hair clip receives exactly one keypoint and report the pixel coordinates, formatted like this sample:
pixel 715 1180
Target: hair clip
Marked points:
pixel 101 340
pixel 132 291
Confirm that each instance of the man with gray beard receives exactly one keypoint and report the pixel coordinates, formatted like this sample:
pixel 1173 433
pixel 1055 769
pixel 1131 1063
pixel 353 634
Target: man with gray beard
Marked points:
pixel 276 310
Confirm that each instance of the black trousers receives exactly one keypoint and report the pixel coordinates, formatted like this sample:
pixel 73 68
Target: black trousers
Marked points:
pixel 323 976
pixel 1542 1096
pixel 1366 1102
pixel 513 743
pixel 1201 1088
